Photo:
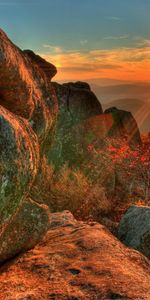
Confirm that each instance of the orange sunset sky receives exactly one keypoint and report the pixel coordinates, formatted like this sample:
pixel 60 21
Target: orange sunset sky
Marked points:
pixel 122 63
pixel 85 39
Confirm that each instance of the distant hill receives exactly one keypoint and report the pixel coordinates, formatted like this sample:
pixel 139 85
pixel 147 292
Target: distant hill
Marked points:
pixel 110 93
pixel 140 110
pixel 109 81
pixel 130 104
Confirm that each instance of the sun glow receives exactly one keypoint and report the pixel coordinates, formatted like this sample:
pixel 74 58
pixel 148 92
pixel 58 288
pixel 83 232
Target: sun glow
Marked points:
pixel 119 63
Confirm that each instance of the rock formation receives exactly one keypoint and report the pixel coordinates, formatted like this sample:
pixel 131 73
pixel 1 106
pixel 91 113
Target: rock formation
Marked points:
pixel 123 125
pixel 76 261
pixel 85 123
pixel 77 104
pixel 24 88
pixel 25 228
pixel 27 113
pixel 134 229
pixel 19 160
pixel 48 69
pixel 34 114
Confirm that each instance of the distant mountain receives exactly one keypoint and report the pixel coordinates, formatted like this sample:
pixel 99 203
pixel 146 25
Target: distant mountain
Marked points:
pixel 140 110
pixel 131 104
pixel 110 93
pixel 109 81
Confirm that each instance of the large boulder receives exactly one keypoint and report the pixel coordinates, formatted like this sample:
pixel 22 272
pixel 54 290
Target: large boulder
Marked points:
pixel 78 85
pixel 28 109
pixel 25 88
pixel 48 68
pixel 134 229
pixel 19 161
pixel 77 261
pixel 25 228
pixel 22 221
pixel 123 126
pixel 77 104
pixel 85 123
pixel 78 99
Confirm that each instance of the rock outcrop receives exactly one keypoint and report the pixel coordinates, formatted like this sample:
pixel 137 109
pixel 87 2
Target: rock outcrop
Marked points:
pixel 48 69
pixel 19 161
pixel 39 118
pixel 78 85
pixel 134 229
pixel 25 228
pixel 27 113
pixel 85 123
pixel 76 261
pixel 123 126
pixel 24 88
pixel 77 104
pixel 78 99
pixel 22 221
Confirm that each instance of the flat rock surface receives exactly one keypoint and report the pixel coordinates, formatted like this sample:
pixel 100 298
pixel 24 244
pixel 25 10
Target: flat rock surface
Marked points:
pixel 76 261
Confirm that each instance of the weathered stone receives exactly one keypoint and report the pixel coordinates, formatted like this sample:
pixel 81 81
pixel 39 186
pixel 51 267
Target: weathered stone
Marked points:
pixel 19 160
pixel 78 85
pixel 76 107
pixel 79 100
pixel 64 218
pixel 27 117
pixel 134 229
pixel 123 126
pixel 77 261
pixel 24 88
pixel 49 69
pixel 25 228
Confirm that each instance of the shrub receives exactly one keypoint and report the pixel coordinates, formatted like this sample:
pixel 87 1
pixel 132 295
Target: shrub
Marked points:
pixel 70 189
pixel 113 177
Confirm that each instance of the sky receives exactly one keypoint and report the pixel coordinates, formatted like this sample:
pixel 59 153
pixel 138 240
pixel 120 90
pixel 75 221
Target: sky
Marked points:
pixel 85 39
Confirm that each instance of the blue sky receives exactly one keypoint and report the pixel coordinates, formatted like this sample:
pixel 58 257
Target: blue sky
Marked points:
pixel 32 23
pixel 54 27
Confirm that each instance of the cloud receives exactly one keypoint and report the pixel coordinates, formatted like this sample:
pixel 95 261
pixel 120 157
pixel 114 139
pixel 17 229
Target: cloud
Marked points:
pixel 125 63
pixel 123 54
pixel 146 43
pixel 143 42
pixel 90 68
pixel 55 49
pixel 117 37
pixel 83 42
pixel 113 18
